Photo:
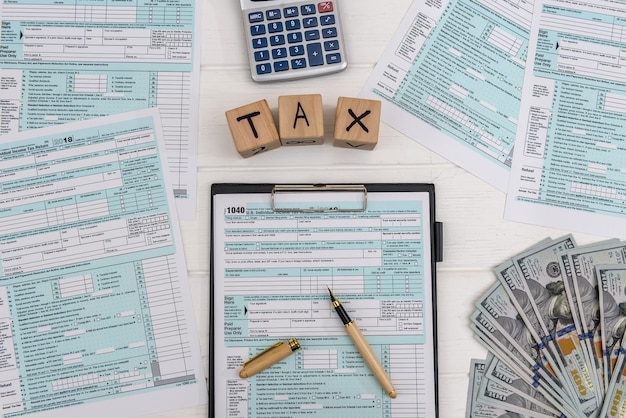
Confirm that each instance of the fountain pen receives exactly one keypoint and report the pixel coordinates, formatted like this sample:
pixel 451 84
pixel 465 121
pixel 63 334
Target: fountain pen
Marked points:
pixel 364 348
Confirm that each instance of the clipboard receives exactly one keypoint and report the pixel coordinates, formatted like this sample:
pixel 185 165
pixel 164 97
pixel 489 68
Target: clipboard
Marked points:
pixel 275 249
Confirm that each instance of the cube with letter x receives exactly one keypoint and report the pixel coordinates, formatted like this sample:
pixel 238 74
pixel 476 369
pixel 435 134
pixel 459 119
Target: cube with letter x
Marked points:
pixel 357 122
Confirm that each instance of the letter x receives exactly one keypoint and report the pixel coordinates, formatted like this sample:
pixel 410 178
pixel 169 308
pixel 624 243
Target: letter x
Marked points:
pixel 357 119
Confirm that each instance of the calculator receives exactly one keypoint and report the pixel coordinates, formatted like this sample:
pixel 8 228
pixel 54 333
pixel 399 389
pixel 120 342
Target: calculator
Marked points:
pixel 293 39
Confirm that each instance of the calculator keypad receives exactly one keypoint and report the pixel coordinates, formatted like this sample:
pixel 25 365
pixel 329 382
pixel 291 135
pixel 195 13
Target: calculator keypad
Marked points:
pixel 295 41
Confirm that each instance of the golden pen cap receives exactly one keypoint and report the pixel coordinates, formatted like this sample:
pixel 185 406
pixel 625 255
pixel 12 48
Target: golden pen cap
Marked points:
pixel 268 357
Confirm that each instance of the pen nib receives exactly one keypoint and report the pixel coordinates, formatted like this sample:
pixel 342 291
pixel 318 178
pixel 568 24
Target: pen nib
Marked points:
pixel 332 297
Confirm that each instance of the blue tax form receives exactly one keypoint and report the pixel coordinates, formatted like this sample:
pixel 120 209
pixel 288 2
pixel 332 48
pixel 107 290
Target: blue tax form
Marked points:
pixel 569 169
pixel 62 61
pixel 271 272
pixel 95 311
pixel 451 80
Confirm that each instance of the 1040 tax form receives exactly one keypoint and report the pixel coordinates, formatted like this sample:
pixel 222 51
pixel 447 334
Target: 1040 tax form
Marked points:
pixel 569 169
pixel 95 311
pixel 451 79
pixel 62 61
pixel 270 272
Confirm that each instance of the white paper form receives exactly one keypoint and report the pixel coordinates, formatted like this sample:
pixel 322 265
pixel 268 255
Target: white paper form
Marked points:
pixel 569 169
pixel 271 276
pixel 95 312
pixel 451 79
pixel 62 61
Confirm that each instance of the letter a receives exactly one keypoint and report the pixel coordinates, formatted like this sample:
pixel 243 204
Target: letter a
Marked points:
pixel 300 116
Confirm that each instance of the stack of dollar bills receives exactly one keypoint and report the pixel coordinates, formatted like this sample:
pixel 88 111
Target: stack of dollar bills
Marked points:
pixel 553 324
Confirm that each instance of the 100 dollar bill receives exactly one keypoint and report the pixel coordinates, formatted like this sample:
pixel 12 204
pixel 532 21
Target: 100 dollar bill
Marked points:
pixel 612 278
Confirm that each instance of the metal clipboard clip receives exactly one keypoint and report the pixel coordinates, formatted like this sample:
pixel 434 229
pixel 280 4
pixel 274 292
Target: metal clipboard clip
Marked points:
pixel 341 198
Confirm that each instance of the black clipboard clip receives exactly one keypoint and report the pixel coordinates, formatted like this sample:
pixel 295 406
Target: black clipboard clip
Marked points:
pixel 287 198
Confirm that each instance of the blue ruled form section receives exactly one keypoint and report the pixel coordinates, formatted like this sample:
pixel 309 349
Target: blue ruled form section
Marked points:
pixel 569 170
pixel 272 270
pixel 61 61
pixel 93 304
pixel 451 79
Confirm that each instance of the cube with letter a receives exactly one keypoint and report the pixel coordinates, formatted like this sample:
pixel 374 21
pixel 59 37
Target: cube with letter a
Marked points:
pixel 253 129
pixel 357 122
pixel 301 119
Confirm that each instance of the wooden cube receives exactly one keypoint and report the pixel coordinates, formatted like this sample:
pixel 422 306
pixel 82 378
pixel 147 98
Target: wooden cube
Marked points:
pixel 357 122
pixel 253 129
pixel 301 119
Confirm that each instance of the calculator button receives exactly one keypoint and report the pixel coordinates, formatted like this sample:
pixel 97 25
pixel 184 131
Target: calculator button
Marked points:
pixel 263 69
pixel 298 63
pixel 256 30
pixel 273 14
pixel 307 9
pixel 279 53
pixel 295 37
pixel 259 43
pixel 277 40
pixel 290 11
pixel 327 20
pixel 329 33
pixel 312 35
pixel 263 55
pixel 309 22
pixel 333 58
pixel 292 24
pixel 331 46
pixel 296 50
pixel 314 52
pixel 325 6
pixel 275 27
pixel 255 17
pixel 281 66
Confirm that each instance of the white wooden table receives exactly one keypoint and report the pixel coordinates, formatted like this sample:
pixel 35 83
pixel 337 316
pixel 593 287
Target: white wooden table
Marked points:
pixel 476 238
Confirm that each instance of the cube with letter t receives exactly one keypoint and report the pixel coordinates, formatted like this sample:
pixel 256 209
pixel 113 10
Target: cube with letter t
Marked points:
pixel 301 119
pixel 253 129
pixel 356 123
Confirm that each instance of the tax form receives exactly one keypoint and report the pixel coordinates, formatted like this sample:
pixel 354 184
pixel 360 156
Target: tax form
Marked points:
pixel 62 61
pixel 451 80
pixel 569 169
pixel 270 276
pixel 95 311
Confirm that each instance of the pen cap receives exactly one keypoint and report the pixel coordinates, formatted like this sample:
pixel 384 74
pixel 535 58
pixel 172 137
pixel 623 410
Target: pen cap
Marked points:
pixel 294 345
pixel 268 357
pixel 262 353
